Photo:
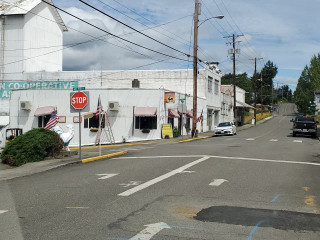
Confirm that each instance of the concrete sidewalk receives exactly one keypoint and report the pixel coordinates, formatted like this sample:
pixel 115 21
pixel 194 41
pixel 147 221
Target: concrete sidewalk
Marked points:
pixel 91 153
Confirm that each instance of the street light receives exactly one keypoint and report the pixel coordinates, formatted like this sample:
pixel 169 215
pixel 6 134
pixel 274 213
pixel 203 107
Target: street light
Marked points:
pixel 195 62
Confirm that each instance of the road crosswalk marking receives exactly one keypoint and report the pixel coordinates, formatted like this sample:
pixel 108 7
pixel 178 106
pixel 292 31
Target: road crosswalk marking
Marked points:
pixel 273 140
pixel 3 211
pixel 297 141
pixel 250 139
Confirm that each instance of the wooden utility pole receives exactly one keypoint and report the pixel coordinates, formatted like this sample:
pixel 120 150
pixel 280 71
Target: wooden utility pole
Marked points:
pixel 195 69
pixel 255 89
pixel 234 75
pixel 261 95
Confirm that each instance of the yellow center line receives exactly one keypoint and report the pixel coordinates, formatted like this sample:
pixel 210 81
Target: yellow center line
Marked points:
pixel 310 201
pixel 306 189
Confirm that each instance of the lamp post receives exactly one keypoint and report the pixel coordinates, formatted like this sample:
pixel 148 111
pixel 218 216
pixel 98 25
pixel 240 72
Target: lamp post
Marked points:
pixel 195 63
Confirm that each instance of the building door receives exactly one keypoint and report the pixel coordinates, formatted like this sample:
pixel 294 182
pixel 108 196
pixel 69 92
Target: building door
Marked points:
pixel 216 118
pixel 209 118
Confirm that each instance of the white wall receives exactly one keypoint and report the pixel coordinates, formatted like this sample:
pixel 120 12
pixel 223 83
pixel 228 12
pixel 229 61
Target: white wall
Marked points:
pixel 41 30
pixel 122 122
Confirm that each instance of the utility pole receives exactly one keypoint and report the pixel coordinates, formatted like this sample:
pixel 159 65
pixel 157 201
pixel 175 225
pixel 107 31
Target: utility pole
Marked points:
pixel 234 51
pixel 255 89
pixel 195 68
pixel 261 96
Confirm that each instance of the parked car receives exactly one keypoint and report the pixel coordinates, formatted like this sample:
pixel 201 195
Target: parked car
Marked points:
pixel 226 128
pixel 304 125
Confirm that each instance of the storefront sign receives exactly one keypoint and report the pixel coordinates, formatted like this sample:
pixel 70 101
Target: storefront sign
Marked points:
pixel 7 86
pixel 167 131
pixel 169 97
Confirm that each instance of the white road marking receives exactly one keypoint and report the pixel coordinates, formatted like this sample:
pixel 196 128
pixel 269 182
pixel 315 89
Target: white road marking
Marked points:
pixel 250 139
pixel 3 211
pixel 150 231
pixel 131 183
pixel 297 141
pixel 161 178
pixel 232 158
pixel 186 172
pixel 218 182
pixel 107 175
pixel 273 140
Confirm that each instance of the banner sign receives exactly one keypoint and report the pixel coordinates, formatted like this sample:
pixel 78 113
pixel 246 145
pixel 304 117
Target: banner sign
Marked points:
pixel 7 86
pixel 169 97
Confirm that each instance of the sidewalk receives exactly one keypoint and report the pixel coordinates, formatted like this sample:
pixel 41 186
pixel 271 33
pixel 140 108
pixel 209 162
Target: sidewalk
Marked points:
pixel 92 153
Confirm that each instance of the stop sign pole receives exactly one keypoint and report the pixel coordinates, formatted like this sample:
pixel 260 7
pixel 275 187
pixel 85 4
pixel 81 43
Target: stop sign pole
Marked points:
pixel 79 101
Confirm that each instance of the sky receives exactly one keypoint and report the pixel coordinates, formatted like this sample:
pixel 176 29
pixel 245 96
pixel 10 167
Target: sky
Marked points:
pixel 286 33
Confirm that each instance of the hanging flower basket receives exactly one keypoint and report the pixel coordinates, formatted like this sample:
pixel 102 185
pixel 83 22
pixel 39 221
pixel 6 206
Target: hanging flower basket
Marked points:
pixel 145 130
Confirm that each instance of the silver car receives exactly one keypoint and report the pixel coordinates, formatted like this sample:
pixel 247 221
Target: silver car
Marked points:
pixel 226 128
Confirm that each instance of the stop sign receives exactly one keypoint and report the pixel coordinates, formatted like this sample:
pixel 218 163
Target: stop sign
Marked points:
pixel 79 100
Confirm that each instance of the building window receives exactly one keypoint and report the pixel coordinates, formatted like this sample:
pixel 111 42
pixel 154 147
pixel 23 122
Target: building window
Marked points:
pixel 146 122
pixel 210 82
pixel 216 86
pixel 43 120
pixel 94 122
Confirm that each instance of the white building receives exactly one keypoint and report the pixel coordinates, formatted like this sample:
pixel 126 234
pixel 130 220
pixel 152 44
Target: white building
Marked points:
pixel 137 109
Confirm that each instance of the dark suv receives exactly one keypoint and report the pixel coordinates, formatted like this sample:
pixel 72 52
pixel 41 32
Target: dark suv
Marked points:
pixel 304 125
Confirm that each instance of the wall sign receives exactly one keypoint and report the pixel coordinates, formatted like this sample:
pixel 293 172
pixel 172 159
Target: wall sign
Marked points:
pixel 169 97
pixel 7 86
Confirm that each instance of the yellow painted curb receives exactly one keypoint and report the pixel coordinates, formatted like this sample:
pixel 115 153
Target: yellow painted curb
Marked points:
pixel 111 146
pixel 193 139
pixel 103 156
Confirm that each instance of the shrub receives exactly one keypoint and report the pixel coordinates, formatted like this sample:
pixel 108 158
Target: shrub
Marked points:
pixel 33 146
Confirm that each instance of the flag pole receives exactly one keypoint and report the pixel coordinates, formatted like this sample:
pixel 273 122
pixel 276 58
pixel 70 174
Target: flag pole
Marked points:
pixel 100 132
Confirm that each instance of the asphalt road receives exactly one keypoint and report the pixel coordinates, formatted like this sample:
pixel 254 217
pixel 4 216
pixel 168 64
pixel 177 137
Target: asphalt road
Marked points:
pixel 260 184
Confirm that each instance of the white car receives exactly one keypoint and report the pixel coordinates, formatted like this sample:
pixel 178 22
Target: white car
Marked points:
pixel 226 128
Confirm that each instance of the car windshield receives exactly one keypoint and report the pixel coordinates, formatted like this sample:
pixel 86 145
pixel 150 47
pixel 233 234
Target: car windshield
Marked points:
pixel 305 119
pixel 224 124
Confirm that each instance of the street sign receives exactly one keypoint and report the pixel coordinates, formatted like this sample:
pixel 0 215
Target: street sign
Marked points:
pixel 79 100
pixel 79 89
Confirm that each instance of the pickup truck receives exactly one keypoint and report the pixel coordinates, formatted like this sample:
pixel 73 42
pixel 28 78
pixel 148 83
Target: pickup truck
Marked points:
pixel 304 125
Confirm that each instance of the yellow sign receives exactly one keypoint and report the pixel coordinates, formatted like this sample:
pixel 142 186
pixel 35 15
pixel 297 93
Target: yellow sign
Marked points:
pixel 169 97
pixel 167 131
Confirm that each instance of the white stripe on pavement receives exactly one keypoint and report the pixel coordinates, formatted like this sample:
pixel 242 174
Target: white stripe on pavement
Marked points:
pixel 297 141
pixel 273 140
pixel 250 139
pixel 161 178
pixel 3 211
pixel 218 182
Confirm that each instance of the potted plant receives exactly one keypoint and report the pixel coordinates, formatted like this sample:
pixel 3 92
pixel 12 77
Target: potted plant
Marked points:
pixel 175 132
pixel 94 129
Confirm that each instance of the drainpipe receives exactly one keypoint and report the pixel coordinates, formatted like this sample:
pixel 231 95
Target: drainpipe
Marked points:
pixel 2 28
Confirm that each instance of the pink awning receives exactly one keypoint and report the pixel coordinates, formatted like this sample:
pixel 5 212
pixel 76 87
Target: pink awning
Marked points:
pixel 145 111
pixel 42 111
pixel 173 113
pixel 189 113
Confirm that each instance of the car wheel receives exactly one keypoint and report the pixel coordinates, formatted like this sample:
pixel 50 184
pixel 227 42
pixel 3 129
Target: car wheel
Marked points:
pixel 314 135
pixel 294 134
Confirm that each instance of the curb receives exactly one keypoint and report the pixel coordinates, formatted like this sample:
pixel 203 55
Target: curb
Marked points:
pixel 103 156
pixel 193 139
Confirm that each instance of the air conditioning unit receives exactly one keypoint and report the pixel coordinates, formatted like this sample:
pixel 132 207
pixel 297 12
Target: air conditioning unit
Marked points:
pixel 114 106
pixel 25 105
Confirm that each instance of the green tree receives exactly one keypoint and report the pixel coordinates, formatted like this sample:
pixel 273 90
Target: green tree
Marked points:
pixel 308 83
pixel 268 73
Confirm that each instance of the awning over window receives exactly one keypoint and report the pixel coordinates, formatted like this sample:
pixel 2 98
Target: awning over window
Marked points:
pixel 189 113
pixel 145 111
pixel 42 111
pixel 173 113
pixel 4 121
pixel 243 105
pixel 88 115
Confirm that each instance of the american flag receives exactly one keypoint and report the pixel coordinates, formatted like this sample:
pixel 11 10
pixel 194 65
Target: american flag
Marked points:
pixel 200 117
pixel 99 108
pixel 53 120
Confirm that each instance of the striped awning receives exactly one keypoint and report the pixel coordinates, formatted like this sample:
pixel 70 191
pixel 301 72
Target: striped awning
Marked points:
pixel 173 113
pixel 145 111
pixel 42 111
pixel 189 113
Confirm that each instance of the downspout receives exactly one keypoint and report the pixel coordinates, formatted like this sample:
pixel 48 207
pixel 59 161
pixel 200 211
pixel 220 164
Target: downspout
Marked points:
pixel 2 27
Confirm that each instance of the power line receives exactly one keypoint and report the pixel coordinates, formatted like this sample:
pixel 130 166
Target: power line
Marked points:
pixel 133 28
